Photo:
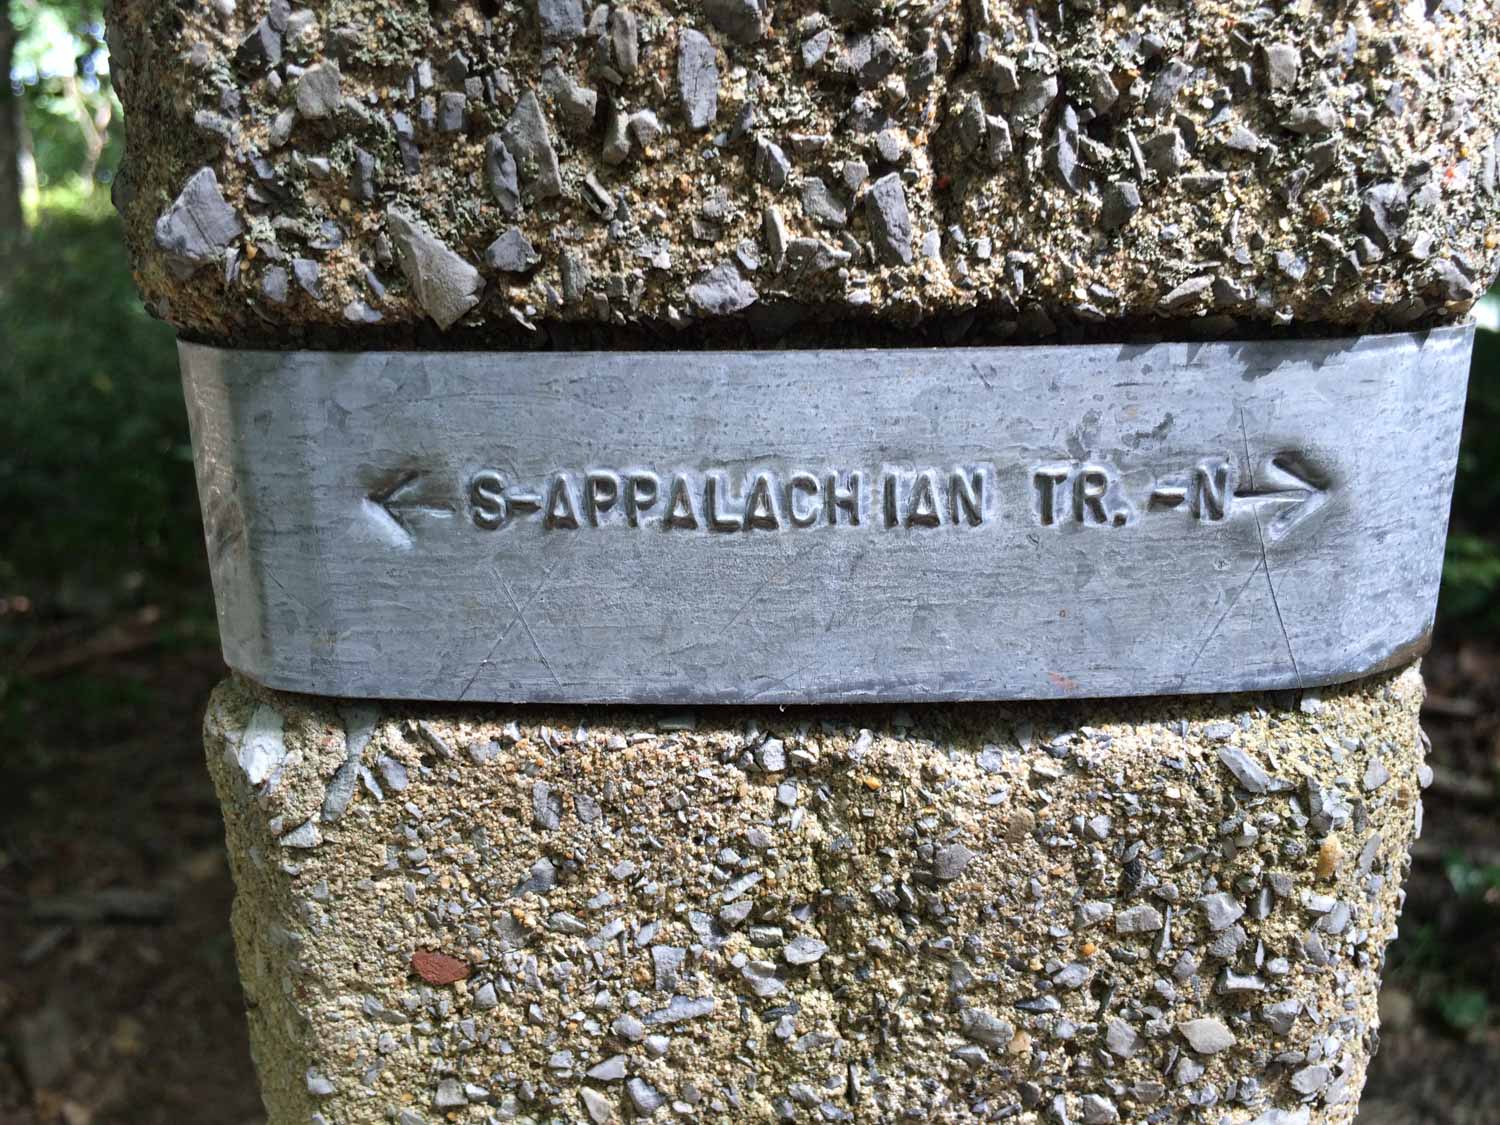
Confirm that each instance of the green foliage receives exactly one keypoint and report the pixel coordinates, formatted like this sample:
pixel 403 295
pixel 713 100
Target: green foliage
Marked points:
pixel 1471 880
pixel 1463 1009
pixel 1452 976
pixel 1471 569
pixel 1457 980
pixel 1471 578
pixel 72 115
pixel 51 36
pixel 95 470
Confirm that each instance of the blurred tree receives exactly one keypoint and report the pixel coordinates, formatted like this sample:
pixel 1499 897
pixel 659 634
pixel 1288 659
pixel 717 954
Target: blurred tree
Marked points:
pixel 96 477
pixel 11 223
pixel 57 67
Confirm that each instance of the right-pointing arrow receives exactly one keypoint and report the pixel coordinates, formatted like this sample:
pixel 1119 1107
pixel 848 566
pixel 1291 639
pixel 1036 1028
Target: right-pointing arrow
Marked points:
pixel 1282 481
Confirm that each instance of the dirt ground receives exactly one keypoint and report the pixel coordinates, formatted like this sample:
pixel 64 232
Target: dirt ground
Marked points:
pixel 118 995
pixel 1439 1058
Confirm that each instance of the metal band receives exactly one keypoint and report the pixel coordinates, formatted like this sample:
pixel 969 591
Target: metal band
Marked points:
pixel 838 525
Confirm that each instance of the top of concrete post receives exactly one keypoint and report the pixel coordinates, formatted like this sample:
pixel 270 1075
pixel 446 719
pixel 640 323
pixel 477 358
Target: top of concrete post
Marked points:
pixel 491 172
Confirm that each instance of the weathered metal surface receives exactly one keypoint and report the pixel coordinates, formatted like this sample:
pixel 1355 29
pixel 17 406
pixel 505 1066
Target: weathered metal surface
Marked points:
pixel 814 526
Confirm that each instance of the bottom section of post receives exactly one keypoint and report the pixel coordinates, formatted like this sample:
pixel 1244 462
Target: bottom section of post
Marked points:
pixel 1156 910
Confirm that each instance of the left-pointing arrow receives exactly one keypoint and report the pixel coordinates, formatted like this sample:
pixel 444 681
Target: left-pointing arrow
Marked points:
pixel 397 504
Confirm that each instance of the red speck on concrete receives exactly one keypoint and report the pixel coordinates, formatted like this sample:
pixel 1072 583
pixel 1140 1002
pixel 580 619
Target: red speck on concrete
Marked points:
pixel 438 968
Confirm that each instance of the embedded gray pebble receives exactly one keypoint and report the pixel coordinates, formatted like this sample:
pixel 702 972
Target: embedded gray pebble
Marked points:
pixel 951 861
pixel 820 204
pixel 1121 1038
pixel 890 221
pixel 596 1105
pixel 306 271
pixel 1206 1036
pixel 644 1097
pixel 199 225
pixel 1142 919
pixel 1220 910
pixel 274 284
pixel 261 48
pixel 741 20
pixel 319 91
pixel 1121 201
pixel 501 175
pixel 453 112
pixel 307 835
pixel 771 164
pixel 559 20
pixel 526 138
pixel 447 286
pixel 512 252
pixel 697 78
pixel 260 751
pixel 722 290
pixel 986 1027
pixel 1245 769
pixel 805 951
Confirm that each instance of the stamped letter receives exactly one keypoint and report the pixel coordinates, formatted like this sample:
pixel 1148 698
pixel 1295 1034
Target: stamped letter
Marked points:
pixel 1089 488
pixel 600 491
pixel 715 492
pixel 966 497
pixel 1213 489
pixel 922 506
pixel 760 508
pixel 1047 479
pixel 562 509
pixel 680 512
pixel 487 500
pixel 845 499
pixel 641 490
pixel 806 484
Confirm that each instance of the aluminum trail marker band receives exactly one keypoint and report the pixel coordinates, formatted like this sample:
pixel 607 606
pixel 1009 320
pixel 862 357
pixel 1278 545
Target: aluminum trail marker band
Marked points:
pixel 827 525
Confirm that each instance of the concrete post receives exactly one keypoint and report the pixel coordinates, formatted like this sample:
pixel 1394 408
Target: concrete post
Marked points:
pixel 1159 910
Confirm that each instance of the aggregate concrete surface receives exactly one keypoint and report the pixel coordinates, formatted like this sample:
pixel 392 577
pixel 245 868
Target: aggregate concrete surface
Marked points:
pixel 531 174
pixel 1159 910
